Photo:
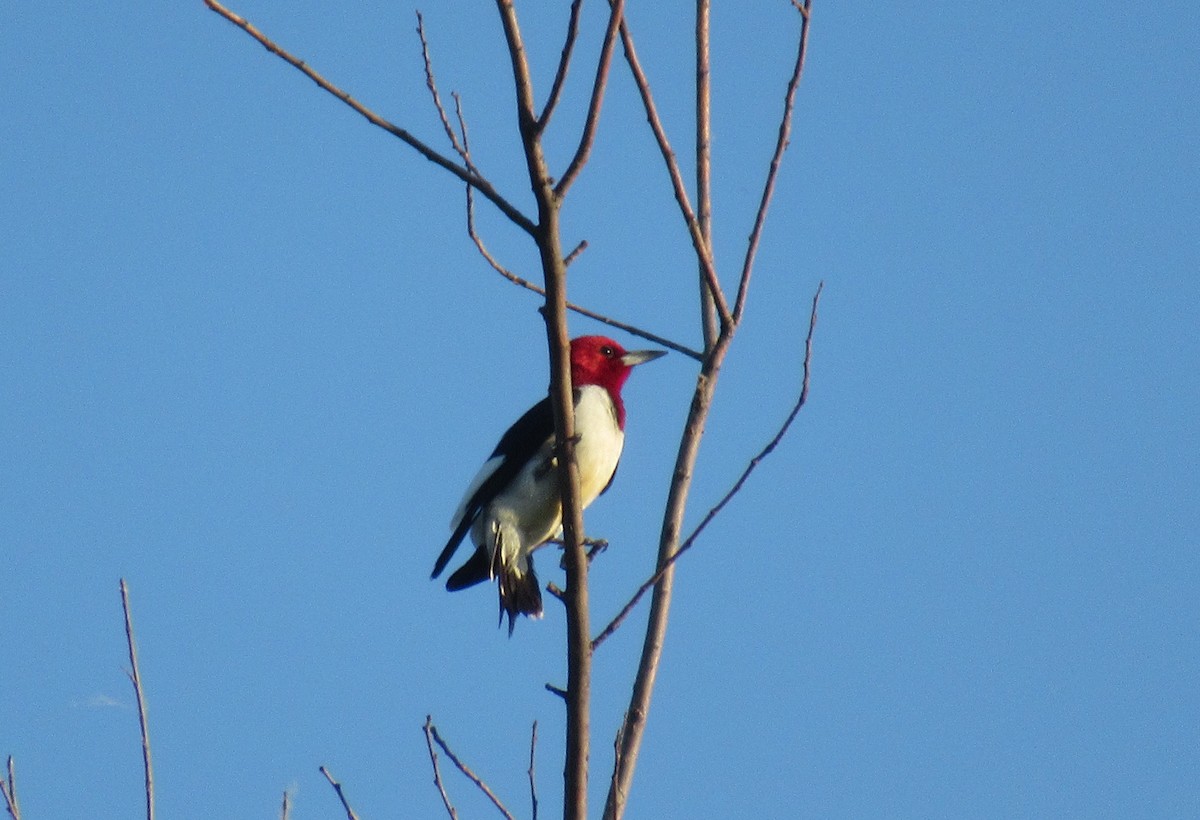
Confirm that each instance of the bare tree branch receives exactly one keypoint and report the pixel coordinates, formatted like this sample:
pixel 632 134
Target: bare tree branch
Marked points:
pixel 136 679
pixel 574 254
pixel 8 786
pixel 579 655
pixel 703 253
pixel 588 137
pixel 437 774
pixel 337 788
pixel 431 84
pixel 734 490
pixel 564 63
pixel 633 725
pixel 286 808
pixel 781 144
pixel 466 770
pixel 485 187
pixel 708 310
pixel 532 780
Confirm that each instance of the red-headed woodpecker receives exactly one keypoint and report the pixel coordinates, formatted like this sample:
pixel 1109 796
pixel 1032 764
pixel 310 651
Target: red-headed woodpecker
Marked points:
pixel 513 505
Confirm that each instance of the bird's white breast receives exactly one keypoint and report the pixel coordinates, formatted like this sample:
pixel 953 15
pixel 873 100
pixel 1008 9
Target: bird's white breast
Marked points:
pixel 600 441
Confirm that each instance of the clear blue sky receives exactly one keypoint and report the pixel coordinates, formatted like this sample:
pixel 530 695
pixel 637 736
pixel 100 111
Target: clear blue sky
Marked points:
pixel 248 361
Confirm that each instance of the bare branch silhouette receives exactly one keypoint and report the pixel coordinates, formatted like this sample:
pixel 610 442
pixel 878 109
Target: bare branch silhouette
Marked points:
pixel 564 63
pixel 548 237
pixel 285 809
pixel 734 490
pixel 485 187
pixel 633 725
pixel 136 679
pixel 465 769
pixel 588 137
pixel 781 144
pixel 437 773
pixel 573 255
pixel 708 310
pixel 431 84
pixel 699 243
pixel 8 786
pixel 337 788
pixel 532 781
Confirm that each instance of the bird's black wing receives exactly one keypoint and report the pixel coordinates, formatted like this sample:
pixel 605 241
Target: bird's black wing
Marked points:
pixel 519 444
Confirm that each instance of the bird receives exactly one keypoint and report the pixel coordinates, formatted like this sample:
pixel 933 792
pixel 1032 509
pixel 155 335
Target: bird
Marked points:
pixel 513 506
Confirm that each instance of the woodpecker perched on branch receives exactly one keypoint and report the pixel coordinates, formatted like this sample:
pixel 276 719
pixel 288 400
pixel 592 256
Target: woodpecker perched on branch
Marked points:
pixel 513 506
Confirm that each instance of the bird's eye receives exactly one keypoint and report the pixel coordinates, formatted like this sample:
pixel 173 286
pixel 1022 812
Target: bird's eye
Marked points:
pixel 607 351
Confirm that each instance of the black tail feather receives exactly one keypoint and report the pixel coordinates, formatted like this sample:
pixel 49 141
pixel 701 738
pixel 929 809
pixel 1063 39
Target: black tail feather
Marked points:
pixel 520 594
pixel 475 571
pixel 452 545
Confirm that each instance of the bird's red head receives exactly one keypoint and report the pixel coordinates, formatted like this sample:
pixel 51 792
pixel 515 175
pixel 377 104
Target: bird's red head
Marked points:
pixel 601 361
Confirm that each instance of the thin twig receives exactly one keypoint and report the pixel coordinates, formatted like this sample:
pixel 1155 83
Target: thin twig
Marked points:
pixel 564 62
pixel 437 772
pixel 485 187
pixel 591 314
pixel 781 144
pixel 286 808
pixel 462 767
pixel 595 548
pixel 532 781
pixel 599 85
pixel 136 679
pixel 699 244
pixel 9 787
pixel 556 690
pixel 734 490
pixel 570 257
pixel 337 787
pixel 431 84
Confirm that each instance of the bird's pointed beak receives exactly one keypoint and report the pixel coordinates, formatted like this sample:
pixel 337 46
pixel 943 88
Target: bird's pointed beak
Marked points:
pixel 634 357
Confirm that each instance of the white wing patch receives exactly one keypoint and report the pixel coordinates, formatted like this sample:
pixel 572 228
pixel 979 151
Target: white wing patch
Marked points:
pixel 485 472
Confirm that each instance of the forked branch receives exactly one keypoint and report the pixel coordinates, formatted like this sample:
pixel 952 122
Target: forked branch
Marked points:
pixel 629 738
pixel 699 242
pixel 431 84
pixel 437 772
pixel 432 732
